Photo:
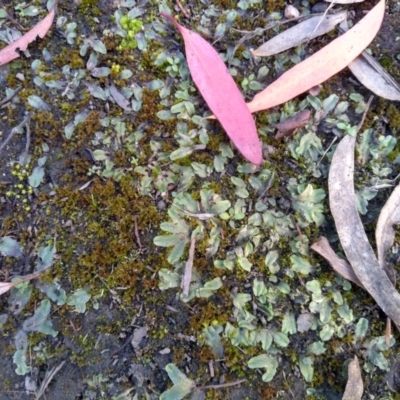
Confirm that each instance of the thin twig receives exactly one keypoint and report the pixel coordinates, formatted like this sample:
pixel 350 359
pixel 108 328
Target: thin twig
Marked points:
pixel 184 11
pixel 187 276
pixel 28 140
pixel 123 346
pixel 14 131
pixel 269 185
pixel 365 113
pixel 135 218
pixel 326 151
pixel 320 21
pixel 222 385
pixel 10 96
pixel 10 18
pixel 47 379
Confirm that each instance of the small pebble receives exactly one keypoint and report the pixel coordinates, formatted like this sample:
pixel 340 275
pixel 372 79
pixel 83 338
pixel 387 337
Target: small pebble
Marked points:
pixel 291 12
pixel 319 7
pixel 161 205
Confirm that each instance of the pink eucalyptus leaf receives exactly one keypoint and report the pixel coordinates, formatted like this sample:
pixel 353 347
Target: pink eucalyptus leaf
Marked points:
pixel 323 64
pixel 221 93
pixel 10 52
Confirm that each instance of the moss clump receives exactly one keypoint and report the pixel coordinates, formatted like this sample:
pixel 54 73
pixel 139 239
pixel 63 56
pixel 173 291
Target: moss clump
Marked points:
pixel 394 116
pixel 132 27
pixel 90 7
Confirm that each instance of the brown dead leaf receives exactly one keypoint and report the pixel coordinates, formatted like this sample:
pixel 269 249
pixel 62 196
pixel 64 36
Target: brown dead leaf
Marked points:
pixel 351 232
pixel 289 126
pixel 355 386
pixel 342 267
pixel 372 75
pixel 384 233
pixel 119 98
pixel 322 65
pixel 10 52
pixel 187 276
pixel 300 33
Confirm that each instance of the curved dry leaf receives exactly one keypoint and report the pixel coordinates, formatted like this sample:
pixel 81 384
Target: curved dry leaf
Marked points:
pixel 377 80
pixel 351 232
pixel 10 53
pixel 322 65
pixel 372 75
pixel 342 267
pixel 355 386
pixel 221 93
pixel 119 98
pixel 289 126
pixel 389 216
pixel 300 33
pixel 6 286
pixel 187 276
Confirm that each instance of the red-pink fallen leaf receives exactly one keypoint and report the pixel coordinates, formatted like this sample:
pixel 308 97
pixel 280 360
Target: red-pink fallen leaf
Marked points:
pixel 10 52
pixel 221 93
pixel 322 65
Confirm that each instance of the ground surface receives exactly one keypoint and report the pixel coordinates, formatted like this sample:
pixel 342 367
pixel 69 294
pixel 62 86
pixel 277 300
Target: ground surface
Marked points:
pixel 108 185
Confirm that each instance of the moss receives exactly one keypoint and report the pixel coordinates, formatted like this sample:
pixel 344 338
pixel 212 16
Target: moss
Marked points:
pixel 90 7
pixel 69 57
pixel 393 115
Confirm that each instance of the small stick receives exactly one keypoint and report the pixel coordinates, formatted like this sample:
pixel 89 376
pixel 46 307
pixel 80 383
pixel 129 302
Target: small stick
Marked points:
pixel 185 13
pixel 299 232
pixel 222 385
pixel 326 151
pixel 28 140
pixel 365 113
pixel 211 368
pixel 14 131
pixel 388 330
pixel 269 185
pixel 10 96
pixel 135 218
pixel 10 18
pixel 187 276
pixel 320 21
